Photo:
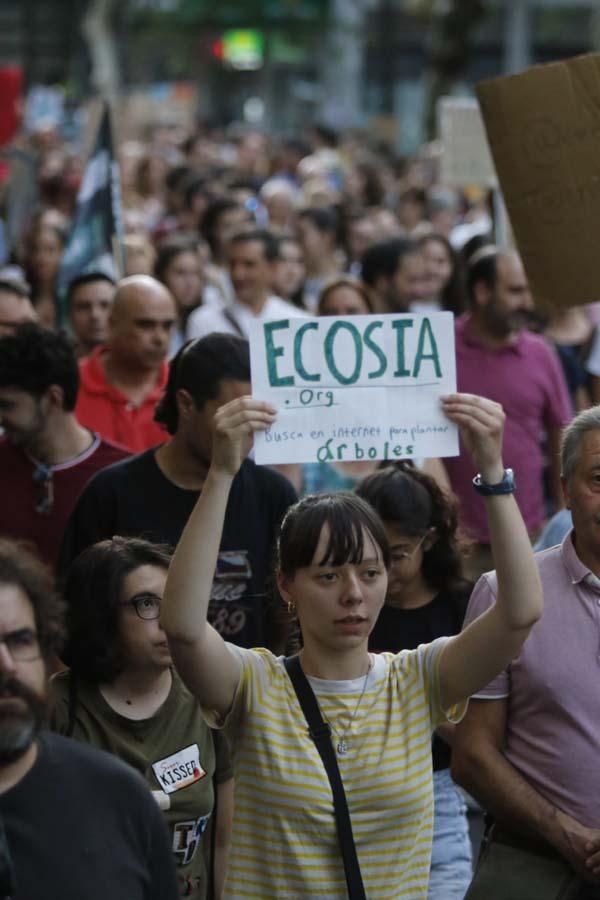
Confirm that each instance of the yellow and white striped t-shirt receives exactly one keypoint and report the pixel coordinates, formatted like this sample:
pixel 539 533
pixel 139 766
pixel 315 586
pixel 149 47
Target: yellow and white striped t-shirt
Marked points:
pixel 284 842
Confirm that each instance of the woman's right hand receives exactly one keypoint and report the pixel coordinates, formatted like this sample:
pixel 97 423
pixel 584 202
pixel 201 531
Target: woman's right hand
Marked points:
pixel 234 427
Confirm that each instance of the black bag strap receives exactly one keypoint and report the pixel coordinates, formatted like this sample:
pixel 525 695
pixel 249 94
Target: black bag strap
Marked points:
pixel 211 891
pixel 72 707
pixel 7 874
pixel 320 732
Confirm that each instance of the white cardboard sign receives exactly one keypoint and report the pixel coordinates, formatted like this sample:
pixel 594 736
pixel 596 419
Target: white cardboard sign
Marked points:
pixel 354 388
pixel 466 157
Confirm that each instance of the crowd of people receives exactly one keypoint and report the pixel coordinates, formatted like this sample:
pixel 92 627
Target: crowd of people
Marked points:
pixel 158 588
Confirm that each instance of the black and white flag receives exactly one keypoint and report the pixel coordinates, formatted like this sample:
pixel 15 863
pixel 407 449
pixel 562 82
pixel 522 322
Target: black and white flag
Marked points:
pixel 96 237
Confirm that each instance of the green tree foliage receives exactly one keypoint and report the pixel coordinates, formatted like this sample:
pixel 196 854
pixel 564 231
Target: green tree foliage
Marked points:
pixel 237 13
pixel 452 24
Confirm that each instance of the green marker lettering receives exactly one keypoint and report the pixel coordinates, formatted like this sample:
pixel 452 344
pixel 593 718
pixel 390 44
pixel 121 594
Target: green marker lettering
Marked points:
pixel 275 380
pixel 298 364
pixel 427 331
pixel 329 358
pixel 400 325
pixel 376 349
pixel 325 453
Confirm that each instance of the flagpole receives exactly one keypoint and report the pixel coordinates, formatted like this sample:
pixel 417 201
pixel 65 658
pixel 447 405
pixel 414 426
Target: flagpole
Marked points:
pixel 95 242
pixel 117 244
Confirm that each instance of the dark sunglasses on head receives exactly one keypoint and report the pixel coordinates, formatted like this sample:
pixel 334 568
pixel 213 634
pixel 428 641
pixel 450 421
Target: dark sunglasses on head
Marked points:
pixel 42 478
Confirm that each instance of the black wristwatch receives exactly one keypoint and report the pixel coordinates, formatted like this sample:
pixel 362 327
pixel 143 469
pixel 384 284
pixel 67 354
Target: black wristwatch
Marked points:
pixel 506 486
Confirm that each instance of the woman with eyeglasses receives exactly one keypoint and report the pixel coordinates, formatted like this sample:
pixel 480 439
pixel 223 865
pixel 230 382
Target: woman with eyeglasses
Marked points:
pixel 426 598
pixel 122 695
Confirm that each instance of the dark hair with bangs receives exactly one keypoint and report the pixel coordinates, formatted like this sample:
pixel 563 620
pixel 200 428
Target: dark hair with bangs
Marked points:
pixel 411 501
pixel 92 591
pixel 348 518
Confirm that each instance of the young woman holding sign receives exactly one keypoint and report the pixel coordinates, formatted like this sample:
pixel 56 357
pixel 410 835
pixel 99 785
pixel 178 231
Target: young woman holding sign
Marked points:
pixel 333 558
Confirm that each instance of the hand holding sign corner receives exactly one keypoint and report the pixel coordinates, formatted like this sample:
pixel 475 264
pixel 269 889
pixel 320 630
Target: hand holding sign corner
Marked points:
pixel 235 424
pixel 353 388
pixel 481 423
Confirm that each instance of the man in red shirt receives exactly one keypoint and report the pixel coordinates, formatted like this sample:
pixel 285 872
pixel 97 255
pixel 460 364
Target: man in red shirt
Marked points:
pixel 46 456
pixel 122 380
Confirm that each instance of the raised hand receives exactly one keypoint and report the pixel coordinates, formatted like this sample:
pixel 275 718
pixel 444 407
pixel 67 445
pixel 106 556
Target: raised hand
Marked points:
pixel 481 424
pixel 234 427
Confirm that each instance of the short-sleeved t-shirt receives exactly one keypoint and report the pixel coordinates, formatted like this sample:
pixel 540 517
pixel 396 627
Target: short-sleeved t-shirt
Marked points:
pixel 136 499
pixel 21 516
pixel 174 751
pixel 81 825
pixel 101 406
pixel 405 629
pixel 283 802
pixel 551 688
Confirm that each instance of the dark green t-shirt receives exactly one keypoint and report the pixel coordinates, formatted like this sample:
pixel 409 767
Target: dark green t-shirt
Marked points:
pixel 174 750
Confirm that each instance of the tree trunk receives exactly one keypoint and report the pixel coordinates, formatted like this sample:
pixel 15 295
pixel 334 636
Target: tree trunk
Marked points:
pixel 451 42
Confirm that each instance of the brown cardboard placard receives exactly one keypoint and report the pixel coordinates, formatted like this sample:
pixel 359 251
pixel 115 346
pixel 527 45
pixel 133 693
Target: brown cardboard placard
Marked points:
pixel 543 128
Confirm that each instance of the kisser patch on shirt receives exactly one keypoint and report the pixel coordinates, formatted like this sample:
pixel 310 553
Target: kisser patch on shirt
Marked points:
pixel 179 770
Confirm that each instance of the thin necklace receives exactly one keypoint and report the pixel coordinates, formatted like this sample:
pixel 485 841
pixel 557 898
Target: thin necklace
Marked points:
pixel 342 745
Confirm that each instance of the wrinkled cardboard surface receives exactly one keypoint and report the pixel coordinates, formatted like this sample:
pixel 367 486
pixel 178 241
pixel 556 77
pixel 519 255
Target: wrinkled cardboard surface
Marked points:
pixel 543 128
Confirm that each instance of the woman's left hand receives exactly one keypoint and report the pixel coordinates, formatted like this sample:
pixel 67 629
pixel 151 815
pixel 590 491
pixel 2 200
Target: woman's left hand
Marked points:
pixel 481 423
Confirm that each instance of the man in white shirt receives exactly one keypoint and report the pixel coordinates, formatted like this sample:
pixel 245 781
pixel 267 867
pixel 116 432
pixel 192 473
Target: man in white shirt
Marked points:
pixel 251 258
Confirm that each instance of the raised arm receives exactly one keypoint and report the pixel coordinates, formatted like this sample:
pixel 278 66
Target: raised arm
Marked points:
pixel 210 670
pixel 474 657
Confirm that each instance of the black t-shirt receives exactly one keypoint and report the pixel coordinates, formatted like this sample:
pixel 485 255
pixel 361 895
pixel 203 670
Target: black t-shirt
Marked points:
pixel 81 825
pixel 404 629
pixel 134 498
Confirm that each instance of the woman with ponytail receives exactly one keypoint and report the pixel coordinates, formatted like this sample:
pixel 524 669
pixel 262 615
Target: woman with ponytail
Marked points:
pixel 426 598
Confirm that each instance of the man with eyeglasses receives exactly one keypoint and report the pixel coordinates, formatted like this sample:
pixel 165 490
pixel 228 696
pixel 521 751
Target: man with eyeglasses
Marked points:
pixel 46 455
pixel 78 823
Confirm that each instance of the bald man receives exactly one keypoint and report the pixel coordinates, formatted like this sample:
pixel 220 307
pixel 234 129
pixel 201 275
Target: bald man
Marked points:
pixel 122 380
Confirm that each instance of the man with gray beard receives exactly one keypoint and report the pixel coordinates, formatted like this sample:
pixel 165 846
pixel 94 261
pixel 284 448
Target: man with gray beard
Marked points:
pixel 529 745
pixel 79 824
